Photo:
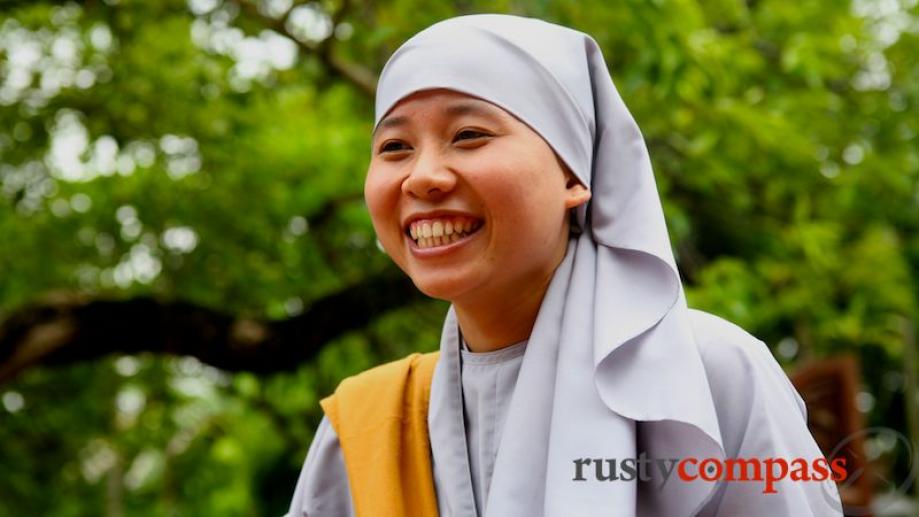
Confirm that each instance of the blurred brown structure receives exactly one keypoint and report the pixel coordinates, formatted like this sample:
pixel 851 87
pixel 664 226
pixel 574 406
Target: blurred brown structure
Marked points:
pixel 829 388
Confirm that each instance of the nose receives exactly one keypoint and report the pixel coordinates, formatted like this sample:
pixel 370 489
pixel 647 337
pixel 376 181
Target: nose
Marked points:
pixel 429 178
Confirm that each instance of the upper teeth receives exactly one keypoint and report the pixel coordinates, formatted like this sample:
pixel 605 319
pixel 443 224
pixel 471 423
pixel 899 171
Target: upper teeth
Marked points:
pixel 435 232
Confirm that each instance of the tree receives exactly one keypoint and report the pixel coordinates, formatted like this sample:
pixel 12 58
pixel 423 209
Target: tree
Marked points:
pixel 187 265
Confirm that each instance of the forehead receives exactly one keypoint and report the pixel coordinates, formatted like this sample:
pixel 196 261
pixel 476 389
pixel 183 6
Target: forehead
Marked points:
pixel 445 103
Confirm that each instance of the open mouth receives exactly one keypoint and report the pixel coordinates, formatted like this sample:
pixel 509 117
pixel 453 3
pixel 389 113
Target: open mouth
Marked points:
pixel 441 231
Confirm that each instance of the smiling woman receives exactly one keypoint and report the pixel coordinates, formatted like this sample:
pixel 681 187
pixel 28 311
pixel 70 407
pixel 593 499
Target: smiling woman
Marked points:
pixel 519 188
pixel 453 159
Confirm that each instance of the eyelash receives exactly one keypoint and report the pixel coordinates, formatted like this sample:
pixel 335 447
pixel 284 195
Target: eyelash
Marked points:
pixel 480 133
pixel 383 148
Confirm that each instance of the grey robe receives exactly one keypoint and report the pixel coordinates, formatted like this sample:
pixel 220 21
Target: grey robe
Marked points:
pixel 488 380
pixel 488 383
pixel 759 415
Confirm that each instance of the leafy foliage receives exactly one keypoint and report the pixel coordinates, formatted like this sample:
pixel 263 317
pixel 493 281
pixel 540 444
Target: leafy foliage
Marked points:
pixel 213 151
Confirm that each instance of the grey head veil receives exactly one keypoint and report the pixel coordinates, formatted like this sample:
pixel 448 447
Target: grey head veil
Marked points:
pixel 611 368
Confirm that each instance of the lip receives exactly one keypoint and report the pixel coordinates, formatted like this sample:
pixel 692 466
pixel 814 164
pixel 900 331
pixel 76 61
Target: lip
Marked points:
pixel 439 251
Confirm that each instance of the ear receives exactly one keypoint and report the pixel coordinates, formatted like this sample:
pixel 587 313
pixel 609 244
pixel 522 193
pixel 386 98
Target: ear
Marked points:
pixel 576 194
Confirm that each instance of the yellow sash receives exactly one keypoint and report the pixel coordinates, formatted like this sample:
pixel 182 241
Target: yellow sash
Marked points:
pixel 380 416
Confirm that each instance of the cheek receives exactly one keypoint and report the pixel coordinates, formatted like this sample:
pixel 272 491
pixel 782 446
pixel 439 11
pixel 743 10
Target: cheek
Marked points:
pixel 528 214
pixel 381 196
pixel 525 220
pixel 524 192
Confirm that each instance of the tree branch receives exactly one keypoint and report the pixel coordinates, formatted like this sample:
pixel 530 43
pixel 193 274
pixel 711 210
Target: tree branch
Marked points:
pixel 69 328
pixel 363 78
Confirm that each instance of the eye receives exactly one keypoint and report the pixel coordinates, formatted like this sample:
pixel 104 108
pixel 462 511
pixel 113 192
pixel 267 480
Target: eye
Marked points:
pixel 391 146
pixel 470 134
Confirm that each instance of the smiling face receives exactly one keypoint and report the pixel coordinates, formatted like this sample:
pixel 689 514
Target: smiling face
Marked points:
pixel 468 201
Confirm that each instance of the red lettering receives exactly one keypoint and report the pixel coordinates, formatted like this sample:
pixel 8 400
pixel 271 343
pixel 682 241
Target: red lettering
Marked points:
pixel 821 469
pixel 839 469
pixel 799 470
pixel 731 463
pixel 704 470
pixel 681 469
pixel 771 477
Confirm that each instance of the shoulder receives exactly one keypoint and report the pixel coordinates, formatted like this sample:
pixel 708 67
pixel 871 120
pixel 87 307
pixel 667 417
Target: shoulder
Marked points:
pixel 323 487
pixel 760 415
pixel 390 373
pixel 387 389
pixel 742 373
pixel 731 354
pixel 721 341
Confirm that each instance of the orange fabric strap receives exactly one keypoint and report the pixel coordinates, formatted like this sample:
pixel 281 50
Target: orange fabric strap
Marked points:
pixel 380 416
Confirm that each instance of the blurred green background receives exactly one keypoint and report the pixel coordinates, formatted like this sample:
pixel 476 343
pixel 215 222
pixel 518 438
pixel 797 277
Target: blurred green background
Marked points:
pixel 187 266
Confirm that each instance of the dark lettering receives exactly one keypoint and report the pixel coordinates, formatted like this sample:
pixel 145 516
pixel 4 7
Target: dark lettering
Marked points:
pixel 601 476
pixel 578 465
pixel 628 469
pixel 665 467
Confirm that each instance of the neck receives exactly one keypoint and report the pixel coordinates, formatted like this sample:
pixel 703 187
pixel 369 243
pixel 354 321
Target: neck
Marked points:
pixel 503 319
pixel 506 314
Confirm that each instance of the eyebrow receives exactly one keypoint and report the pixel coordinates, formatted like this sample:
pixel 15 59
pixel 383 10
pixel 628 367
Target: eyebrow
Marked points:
pixel 456 109
pixel 469 108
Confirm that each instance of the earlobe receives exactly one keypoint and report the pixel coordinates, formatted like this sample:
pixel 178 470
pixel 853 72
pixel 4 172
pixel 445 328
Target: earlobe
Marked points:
pixel 577 194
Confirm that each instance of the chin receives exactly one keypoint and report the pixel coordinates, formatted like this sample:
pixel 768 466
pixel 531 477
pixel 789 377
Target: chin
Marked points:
pixel 437 286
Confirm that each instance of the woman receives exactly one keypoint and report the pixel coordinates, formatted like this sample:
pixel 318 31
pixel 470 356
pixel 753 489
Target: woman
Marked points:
pixel 508 177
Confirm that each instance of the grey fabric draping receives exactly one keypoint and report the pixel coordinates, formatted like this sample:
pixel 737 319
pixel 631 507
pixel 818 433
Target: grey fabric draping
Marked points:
pixel 613 325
